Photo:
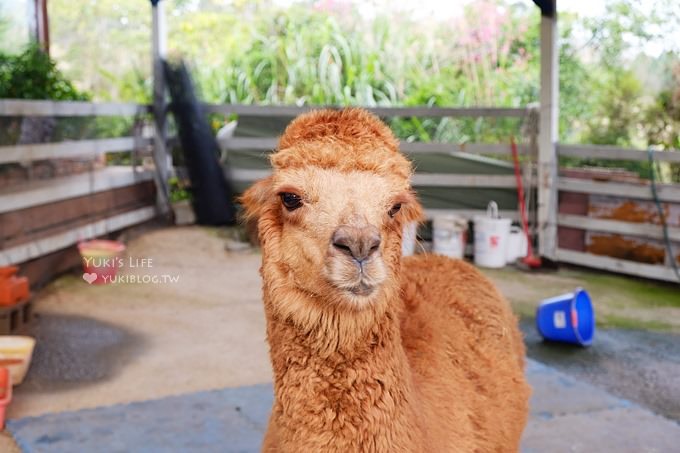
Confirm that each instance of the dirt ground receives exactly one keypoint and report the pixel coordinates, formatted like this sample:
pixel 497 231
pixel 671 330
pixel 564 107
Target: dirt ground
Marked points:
pixel 130 341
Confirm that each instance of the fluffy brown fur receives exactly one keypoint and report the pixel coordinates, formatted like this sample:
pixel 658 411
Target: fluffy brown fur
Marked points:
pixel 429 358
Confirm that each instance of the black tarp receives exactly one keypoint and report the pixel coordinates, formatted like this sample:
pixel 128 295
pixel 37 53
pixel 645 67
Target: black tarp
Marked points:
pixel 212 194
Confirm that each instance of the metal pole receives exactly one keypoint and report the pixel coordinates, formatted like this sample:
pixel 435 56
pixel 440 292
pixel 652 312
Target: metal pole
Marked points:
pixel 161 157
pixel 548 136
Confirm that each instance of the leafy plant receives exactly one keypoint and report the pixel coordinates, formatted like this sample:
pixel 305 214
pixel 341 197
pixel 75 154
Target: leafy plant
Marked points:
pixel 179 190
pixel 33 75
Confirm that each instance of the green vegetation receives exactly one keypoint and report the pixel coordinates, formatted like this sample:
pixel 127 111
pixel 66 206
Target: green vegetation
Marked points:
pixel 322 52
pixel 179 190
pixel 33 75
pixel 331 52
pixel 639 292
pixel 619 322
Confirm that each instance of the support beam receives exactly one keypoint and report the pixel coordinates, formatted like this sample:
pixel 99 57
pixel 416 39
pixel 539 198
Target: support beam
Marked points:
pixel 547 138
pixel 161 157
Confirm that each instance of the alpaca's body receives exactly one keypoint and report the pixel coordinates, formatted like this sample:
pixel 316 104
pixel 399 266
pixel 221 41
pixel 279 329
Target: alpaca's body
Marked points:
pixel 372 352
pixel 442 371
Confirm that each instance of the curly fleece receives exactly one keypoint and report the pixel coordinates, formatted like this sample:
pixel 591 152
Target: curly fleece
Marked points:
pixel 435 364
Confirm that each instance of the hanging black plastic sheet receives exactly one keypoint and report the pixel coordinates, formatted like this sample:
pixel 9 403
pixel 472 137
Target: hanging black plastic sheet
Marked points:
pixel 212 194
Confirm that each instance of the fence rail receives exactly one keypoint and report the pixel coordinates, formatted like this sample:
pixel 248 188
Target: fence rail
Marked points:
pixel 270 143
pixel 69 149
pixel 616 153
pixel 386 112
pixel 617 226
pixel 667 193
pixel 20 107
pixel 656 272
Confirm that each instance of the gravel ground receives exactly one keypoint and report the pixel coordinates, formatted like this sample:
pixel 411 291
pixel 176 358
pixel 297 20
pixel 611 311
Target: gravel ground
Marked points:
pixel 640 366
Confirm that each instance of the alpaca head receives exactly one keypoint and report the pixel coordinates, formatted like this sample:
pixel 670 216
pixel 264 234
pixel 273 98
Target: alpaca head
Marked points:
pixel 330 218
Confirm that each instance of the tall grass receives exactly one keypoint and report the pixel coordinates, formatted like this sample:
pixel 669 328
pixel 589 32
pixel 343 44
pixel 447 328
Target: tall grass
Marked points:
pixel 316 56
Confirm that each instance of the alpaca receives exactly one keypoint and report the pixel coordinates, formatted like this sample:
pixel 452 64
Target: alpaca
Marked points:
pixel 372 352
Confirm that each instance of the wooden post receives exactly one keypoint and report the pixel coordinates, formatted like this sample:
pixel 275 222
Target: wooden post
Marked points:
pixel 42 25
pixel 548 134
pixel 161 157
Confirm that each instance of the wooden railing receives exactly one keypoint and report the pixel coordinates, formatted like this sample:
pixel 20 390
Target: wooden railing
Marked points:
pixel 28 200
pixel 42 216
pixel 666 194
pixel 420 179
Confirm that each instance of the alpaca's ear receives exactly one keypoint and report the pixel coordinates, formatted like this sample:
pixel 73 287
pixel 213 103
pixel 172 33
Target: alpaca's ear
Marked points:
pixel 254 199
pixel 411 209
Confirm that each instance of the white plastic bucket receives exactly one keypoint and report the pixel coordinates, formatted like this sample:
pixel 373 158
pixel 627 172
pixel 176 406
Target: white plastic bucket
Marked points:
pixel 448 235
pixel 408 239
pixel 517 245
pixel 491 238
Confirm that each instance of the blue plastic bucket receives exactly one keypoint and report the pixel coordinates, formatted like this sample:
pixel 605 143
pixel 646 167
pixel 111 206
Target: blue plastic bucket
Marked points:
pixel 569 318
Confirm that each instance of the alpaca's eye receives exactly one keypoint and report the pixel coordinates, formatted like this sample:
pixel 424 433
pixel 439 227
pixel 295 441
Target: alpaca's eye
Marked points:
pixel 394 210
pixel 290 200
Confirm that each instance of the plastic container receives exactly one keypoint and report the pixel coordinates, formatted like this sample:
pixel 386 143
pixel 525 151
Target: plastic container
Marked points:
pixel 100 260
pixel 13 289
pixel 491 238
pixel 448 235
pixel 15 354
pixel 408 239
pixel 569 318
pixel 5 393
pixel 517 245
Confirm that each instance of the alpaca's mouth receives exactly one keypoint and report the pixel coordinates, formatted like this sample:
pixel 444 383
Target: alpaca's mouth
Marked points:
pixel 356 281
pixel 362 289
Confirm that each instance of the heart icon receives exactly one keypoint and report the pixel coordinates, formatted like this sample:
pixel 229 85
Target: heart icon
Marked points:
pixel 89 278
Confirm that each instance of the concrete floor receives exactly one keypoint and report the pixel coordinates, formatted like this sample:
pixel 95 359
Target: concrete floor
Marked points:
pixel 103 346
pixel 566 415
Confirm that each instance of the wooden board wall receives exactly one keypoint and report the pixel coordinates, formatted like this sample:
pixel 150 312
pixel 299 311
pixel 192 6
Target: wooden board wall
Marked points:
pixel 26 225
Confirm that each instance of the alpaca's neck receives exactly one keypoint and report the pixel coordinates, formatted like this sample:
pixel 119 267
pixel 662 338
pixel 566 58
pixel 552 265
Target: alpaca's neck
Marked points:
pixel 342 394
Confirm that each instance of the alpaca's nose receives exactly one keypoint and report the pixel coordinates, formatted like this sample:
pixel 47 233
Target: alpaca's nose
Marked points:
pixel 357 242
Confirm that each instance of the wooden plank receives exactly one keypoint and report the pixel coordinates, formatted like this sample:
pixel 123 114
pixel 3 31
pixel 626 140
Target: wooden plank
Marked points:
pixel 620 266
pixel 429 112
pixel 615 153
pixel 468 213
pixel 21 107
pixel 617 226
pixel 419 179
pixel 458 148
pixel 25 252
pixel 43 269
pixel 25 225
pixel 270 144
pixel 669 193
pixel 247 143
pixel 55 189
pixel 68 149
pixel 453 180
pixel 247 175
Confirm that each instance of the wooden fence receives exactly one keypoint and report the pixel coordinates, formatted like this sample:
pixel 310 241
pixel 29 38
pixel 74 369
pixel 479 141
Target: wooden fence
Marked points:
pixel 40 217
pixel 420 179
pixel 668 194
pixel 632 191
